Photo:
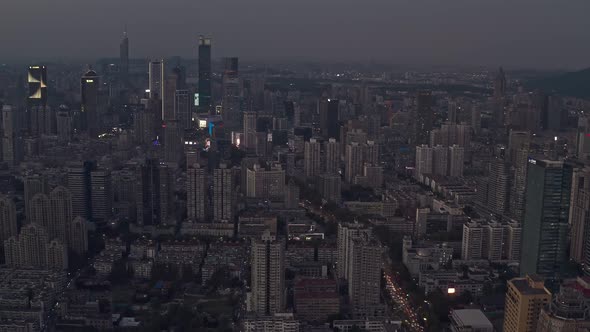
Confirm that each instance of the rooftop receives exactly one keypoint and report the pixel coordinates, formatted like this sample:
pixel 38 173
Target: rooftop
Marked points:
pixel 471 317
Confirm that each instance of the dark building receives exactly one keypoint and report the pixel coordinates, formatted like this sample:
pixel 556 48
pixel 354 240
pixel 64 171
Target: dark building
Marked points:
pixel 124 58
pixel 205 91
pixel 329 125
pixel 89 86
pixel 545 227
pixel 231 103
pixel 154 196
pixel 424 117
pixel 80 186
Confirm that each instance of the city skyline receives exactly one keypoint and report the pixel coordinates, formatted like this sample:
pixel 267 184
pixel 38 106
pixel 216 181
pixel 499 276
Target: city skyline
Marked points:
pixel 456 33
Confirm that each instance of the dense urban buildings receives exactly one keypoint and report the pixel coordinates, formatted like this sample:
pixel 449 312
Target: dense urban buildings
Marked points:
pixel 144 192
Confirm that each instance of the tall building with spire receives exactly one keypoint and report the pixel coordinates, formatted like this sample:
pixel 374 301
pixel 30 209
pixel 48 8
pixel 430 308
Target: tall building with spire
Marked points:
pixel 205 91
pixel 124 58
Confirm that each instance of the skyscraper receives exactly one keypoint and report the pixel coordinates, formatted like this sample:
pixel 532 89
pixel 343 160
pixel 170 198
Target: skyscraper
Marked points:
pixel 156 82
pixel 268 275
pixel 37 80
pixel 311 158
pixel 332 152
pixel 101 195
pixel 182 109
pixel 9 147
pixel 196 193
pixel 440 160
pixel 90 105
pixel 328 110
pixel 354 161
pixel 231 93
pixel 205 91
pixel 364 278
pixel 499 186
pixel 79 184
pixel 500 84
pixel 579 218
pixel 424 161
pixel 154 193
pixel 249 136
pixel 545 227
pixel 223 186
pixel 173 146
pixel 424 117
pixel 124 58
pixel 346 233
pixel 456 161
pixel 78 236
pixel 60 214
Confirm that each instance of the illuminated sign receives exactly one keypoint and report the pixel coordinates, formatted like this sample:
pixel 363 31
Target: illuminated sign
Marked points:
pixel 532 161
pixel 451 291
pixel 196 99
pixel 89 81
pixel 202 123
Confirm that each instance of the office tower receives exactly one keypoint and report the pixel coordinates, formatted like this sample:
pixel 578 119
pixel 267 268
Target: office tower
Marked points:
pixel 154 193
pixel 268 275
pixel 354 161
pixel 78 236
pixel 525 298
pixel 79 184
pixel 424 160
pixel 182 109
pixel 440 160
pixel 328 110
pixel 364 278
pixel 34 184
pixel 580 214
pixel 424 117
pixel 346 233
pixel 37 81
pixel 519 186
pixel 8 134
pixel 311 158
pixel 456 161
pixel 173 145
pixel 231 93
pixel 517 140
pixel 371 153
pixel 124 58
pixel 499 186
pixel 89 108
pixel 292 195
pixel 156 83
pixel 64 125
pixel 223 186
pixel 332 152
pixel 513 231
pixel 8 226
pixel 500 84
pixel 205 92
pixel 169 98
pixel 568 311
pixel 249 138
pixel 472 244
pixel 143 126
pixel 101 195
pixel 330 187
pixel 196 193
pixel 41 118
pixel 267 183
pixel 545 227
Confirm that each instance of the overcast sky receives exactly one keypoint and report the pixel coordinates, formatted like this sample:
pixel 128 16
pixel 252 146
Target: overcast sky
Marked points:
pixel 531 33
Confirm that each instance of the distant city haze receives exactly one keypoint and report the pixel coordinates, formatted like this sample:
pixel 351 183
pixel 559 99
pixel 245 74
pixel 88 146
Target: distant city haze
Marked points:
pixel 545 34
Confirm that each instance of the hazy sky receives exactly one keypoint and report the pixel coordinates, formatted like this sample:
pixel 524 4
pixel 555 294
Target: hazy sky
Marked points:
pixel 532 33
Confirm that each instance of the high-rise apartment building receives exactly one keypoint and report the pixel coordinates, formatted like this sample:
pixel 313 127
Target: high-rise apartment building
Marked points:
pixel 424 160
pixel 332 153
pixel 154 193
pixel 545 227
pixel 34 184
pixel 440 160
pixel 267 183
pixel 101 195
pixel 156 83
pixel 354 161
pixel 312 155
pixel 424 117
pixel 80 186
pixel 364 278
pixel 330 187
pixel 196 193
pixel 346 233
pixel 456 161
pixel 499 186
pixel 579 218
pixel 525 298
pixel 223 194
pixel 472 244
pixel 268 275
pixel 8 226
